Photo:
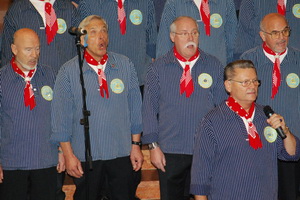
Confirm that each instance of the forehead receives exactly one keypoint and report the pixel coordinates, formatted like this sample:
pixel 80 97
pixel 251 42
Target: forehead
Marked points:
pixel 96 23
pixel 275 24
pixel 27 40
pixel 244 74
pixel 185 24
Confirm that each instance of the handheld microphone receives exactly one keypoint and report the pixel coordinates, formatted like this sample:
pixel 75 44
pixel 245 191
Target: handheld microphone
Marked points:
pixel 77 31
pixel 269 112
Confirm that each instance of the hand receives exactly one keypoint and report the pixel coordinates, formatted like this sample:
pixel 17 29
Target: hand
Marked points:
pixel 73 166
pixel 277 121
pixel 136 157
pixel 1 174
pixel 61 163
pixel 158 159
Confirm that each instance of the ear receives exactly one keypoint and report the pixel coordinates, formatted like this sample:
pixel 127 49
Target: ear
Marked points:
pixel 172 36
pixel 227 85
pixel 262 35
pixel 14 49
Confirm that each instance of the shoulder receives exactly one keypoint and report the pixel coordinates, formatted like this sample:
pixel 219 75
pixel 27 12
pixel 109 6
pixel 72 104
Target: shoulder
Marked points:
pixel 207 60
pixel 251 52
pixel 167 59
pixel 220 112
pixel 46 69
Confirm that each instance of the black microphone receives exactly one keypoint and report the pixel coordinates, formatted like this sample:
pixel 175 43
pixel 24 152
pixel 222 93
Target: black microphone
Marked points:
pixel 77 31
pixel 269 112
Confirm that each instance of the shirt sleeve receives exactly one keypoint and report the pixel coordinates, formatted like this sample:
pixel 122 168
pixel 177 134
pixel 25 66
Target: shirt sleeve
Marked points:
pixel 203 159
pixel 61 108
pixel 151 31
pixel 151 106
pixel 230 30
pixel 164 42
pixel 135 102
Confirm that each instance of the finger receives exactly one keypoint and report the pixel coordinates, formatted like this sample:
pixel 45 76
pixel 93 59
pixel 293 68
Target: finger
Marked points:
pixel 163 168
pixel 138 166
pixel 80 169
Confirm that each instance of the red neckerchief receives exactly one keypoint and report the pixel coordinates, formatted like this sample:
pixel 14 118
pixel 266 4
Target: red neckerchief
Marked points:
pixel 51 22
pixel 186 81
pixel 121 17
pixel 281 7
pixel 254 140
pixel 101 75
pixel 205 15
pixel 276 77
pixel 28 92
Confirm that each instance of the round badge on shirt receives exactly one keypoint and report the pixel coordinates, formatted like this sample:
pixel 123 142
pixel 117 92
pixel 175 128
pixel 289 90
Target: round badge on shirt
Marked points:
pixel 296 10
pixel 117 86
pixel 62 26
pixel 292 80
pixel 47 93
pixel 216 20
pixel 270 134
pixel 136 17
pixel 205 80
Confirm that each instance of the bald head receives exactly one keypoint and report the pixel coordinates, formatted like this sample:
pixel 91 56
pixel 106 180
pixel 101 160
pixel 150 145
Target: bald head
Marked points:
pixel 275 31
pixel 26 48
pixel 269 19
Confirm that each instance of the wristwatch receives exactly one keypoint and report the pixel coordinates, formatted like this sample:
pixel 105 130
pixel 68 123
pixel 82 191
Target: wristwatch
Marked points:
pixel 153 145
pixel 136 143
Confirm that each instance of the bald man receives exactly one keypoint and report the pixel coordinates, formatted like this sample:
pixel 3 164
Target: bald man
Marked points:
pixel 278 66
pixel 27 158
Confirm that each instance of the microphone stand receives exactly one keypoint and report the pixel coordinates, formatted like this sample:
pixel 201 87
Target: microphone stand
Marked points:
pixel 85 120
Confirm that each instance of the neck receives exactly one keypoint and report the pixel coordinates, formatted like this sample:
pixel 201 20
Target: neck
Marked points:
pixel 23 67
pixel 246 106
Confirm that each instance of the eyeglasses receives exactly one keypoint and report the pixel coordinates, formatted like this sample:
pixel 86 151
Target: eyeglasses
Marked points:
pixel 247 83
pixel 187 34
pixel 276 34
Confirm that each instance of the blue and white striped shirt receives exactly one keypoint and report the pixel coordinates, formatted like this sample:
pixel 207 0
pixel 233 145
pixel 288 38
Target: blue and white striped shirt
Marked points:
pixel 223 27
pixel 287 100
pixel 225 166
pixel 24 134
pixel 139 42
pixel 170 118
pixel 22 14
pixel 112 120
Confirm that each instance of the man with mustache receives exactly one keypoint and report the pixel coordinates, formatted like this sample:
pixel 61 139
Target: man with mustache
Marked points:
pixel 236 146
pixel 27 158
pixel 180 88
pixel 278 64
pixel 115 122
pixel 216 20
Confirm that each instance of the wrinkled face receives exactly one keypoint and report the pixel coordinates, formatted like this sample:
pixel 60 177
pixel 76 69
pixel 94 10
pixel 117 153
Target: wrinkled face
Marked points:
pixel 243 95
pixel 185 39
pixel 275 24
pixel 26 49
pixel 97 39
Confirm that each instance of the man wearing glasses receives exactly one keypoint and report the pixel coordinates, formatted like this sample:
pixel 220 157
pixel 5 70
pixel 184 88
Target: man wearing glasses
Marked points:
pixel 251 13
pixel 278 65
pixel 180 88
pixel 236 146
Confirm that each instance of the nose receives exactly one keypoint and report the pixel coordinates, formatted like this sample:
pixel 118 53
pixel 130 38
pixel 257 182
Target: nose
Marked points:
pixel 35 53
pixel 190 36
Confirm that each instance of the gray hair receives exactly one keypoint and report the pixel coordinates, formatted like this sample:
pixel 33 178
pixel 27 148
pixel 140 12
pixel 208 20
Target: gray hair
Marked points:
pixel 86 21
pixel 173 25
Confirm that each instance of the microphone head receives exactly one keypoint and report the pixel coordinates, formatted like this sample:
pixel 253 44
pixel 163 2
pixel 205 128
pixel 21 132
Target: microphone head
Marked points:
pixel 268 111
pixel 77 31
